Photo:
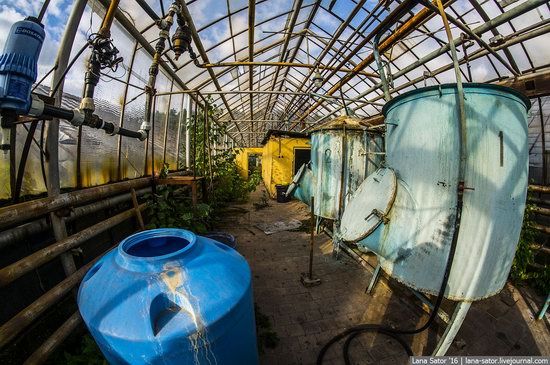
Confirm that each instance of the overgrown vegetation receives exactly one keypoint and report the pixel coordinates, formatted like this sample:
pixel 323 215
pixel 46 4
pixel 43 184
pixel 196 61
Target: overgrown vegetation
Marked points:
pixel 523 270
pixel 171 206
pixel 89 354
pixel 267 338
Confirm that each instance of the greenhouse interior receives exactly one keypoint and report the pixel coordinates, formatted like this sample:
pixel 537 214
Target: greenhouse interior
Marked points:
pixel 241 182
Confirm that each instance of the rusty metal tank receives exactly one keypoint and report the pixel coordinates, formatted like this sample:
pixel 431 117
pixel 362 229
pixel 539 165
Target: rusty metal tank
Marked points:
pixel 343 153
pixel 406 211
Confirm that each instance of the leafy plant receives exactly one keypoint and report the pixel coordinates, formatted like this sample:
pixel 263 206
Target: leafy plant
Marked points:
pixel 89 354
pixel 267 338
pixel 263 202
pixel 522 266
pixel 170 208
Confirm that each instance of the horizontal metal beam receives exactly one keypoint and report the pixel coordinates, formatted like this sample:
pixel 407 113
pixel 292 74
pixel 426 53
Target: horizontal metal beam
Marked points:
pixel 284 64
pixel 533 85
pixel 23 212
pixel 14 271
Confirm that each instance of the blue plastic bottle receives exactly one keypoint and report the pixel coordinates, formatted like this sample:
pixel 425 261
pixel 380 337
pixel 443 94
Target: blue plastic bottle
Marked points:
pixel 168 296
pixel 19 64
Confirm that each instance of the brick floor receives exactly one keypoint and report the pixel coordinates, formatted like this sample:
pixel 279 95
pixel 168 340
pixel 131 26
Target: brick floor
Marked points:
pixel 306 318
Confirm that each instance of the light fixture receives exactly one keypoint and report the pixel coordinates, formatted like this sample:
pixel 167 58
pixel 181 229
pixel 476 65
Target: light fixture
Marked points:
pixel 317 79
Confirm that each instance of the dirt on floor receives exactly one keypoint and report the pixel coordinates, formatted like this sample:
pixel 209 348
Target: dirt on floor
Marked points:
pixel 304 319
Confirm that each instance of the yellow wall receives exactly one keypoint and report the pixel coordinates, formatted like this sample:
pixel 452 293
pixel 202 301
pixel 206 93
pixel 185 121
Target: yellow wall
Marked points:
pixel 242 158
pixel 278 160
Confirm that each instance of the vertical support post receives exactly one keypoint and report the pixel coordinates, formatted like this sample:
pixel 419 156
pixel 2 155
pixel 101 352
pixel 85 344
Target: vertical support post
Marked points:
pixel 13 159
pixel 311 237
pixel 166 122
pixel 52 343
pixel 452 329
pixel 137 210
pixel 181 120
pixel 194 193
pixel 187 133
pixel 123 110
pixel 374 279
pixel 543 140
pixel 195 140
pixel 52 127
pixel 544 308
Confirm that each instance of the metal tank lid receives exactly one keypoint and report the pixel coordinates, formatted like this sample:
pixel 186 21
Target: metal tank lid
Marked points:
pixel 350 123
pixel 467 86
pixel 369 205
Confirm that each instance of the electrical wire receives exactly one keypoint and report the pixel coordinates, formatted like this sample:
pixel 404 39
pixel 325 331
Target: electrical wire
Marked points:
pixel 353 332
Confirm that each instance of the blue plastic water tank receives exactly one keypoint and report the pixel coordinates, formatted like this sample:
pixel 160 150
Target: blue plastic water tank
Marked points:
pixel 168 296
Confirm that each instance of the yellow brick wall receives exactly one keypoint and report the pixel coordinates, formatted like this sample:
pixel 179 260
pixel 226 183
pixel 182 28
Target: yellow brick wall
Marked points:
pixel 242 158
pixel 278 160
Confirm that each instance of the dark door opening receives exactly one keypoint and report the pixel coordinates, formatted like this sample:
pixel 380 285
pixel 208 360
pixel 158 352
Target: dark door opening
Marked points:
pixel 301 156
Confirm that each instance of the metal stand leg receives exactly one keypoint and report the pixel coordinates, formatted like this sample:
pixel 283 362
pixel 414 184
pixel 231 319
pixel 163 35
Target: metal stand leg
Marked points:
pixel 452 329
pixel 374 279
pixel 544 308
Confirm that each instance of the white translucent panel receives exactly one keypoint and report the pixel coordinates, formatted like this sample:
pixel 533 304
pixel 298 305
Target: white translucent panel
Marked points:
pixel 519 56
pixel 326 21
pixel 215 34
pixel 204 11
pixel 132 151
pixel 136 14
pixel 269 9
pixel 171 131
pixel 538 49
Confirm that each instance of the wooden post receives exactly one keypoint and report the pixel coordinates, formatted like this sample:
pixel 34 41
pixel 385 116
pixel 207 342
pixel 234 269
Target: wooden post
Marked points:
pixel 137 210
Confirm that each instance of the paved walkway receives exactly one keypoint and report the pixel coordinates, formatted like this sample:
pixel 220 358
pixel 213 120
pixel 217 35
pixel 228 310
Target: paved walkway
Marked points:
pixel 305 318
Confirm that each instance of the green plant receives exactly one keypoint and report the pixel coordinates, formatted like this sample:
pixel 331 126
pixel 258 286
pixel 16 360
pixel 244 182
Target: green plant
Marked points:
pixel 170 208
pixel 220 170
pixel 263 202
pixel 522 267
pixel 89 354
pixel 267 338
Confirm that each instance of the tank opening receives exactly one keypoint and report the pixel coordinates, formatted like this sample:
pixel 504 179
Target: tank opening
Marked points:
pixel 156 246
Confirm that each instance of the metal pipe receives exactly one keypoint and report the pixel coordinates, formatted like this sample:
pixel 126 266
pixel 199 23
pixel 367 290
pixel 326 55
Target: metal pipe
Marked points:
pixel 544 29
pixel 493 23
pixel 182 116
pixel 381 71
pixel 123 109
pixel 12 236
pixel 188 134
pixel 251 28
pixel 52 132
pixel 283 53
pixel 14 271
pixel 33 311
pixel 539 188
pixel 166 122
pixel 282 64
pixel 407 27
pixel 22 212
pixel 52 343
pixel 261 92
pixel 478 39
pixel 105 28
pixel 341 28
pixel 200 48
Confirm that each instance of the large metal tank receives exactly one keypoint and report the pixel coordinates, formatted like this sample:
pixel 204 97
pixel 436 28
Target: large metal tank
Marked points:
pixel 406 213
pixel 167 296
pixel 343 154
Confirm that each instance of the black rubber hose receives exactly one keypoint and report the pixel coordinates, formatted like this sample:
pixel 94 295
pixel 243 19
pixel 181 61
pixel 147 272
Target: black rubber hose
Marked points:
pixel 129 133
pixel 352 332
pixel 53 111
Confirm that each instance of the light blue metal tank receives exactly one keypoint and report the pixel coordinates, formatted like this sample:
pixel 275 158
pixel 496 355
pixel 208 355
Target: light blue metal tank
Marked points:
pixel 405 213
pixel 343 154
pixel 303 184
pixel 167 296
